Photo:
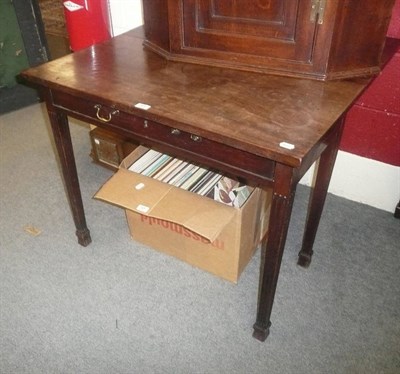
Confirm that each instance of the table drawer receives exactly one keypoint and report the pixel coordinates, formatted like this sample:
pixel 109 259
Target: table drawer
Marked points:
pixel 174 140
pixel 94 110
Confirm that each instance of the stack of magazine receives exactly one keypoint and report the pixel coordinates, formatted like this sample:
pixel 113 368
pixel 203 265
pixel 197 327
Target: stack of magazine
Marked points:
pixel 191 177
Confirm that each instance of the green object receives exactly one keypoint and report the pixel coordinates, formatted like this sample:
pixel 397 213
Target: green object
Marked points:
pixel 13 57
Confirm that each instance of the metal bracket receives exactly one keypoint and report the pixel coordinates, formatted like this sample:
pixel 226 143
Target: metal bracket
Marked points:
pixel 317 11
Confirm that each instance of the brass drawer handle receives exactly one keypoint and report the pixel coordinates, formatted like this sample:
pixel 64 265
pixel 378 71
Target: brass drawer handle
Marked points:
pixel 175 132
pixel 103 119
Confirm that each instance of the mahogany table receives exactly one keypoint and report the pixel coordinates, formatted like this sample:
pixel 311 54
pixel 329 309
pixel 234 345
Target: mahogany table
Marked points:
pixel 265 129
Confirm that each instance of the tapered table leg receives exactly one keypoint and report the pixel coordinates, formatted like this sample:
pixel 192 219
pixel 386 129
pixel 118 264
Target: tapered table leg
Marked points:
pixel 62 137
pixel 318 194
pixel 273 246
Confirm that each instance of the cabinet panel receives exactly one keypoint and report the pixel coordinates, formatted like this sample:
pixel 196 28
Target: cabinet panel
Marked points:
pixel 272 28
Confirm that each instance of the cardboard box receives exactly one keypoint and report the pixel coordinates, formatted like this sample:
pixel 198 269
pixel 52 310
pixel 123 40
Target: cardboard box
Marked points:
pixel 200 231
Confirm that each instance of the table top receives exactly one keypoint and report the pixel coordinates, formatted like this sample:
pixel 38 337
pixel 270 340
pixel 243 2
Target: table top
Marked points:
pixel 253 112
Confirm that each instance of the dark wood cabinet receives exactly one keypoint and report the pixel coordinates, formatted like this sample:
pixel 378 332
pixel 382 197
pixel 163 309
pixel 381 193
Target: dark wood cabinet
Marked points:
pixel 320 39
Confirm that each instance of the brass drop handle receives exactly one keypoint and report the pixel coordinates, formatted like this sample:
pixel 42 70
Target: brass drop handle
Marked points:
pixel 104 119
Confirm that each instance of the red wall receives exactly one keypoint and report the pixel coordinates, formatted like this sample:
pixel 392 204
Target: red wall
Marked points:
pixel 373 123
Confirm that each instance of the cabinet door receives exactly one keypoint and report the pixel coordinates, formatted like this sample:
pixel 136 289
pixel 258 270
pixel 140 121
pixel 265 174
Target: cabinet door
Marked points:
pixel 279 29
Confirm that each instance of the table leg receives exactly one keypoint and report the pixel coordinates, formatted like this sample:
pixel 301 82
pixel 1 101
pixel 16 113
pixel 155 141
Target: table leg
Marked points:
pixel 318 195
pixel 397 211
pixel 273 246
pixel 62 138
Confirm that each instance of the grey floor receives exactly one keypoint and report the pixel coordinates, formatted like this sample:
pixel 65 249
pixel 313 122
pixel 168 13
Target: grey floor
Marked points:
pixel 119 307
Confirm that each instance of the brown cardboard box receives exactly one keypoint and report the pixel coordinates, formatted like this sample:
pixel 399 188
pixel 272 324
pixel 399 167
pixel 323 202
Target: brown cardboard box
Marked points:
pixel 207 234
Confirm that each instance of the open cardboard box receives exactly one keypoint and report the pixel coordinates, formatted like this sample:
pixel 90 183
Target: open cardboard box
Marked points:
pixel 198 230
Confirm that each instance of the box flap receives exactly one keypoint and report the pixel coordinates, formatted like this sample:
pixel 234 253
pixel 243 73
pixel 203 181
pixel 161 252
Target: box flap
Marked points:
pixel 147 196
pixel 132 191
pixel 202 215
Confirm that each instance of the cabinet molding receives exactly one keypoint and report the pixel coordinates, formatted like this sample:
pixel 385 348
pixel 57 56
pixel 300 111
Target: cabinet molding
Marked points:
pixel 318 39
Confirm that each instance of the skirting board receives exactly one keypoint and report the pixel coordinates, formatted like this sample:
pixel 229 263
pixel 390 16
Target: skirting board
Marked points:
pixel 363 180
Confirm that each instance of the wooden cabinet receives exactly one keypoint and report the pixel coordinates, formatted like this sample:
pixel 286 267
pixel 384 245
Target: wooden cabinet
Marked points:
pixel 320 39
pixel 108 148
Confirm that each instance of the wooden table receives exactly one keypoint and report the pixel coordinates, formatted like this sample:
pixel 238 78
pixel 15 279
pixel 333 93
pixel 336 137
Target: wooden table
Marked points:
pixel 265 129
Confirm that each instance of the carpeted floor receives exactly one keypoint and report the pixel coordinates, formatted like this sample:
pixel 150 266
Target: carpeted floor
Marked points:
pixel 119 307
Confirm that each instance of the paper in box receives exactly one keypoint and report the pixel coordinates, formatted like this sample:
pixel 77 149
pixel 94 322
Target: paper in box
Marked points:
pixel 200 231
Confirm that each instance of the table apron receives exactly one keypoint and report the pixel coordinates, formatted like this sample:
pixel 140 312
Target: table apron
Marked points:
pixel 253 169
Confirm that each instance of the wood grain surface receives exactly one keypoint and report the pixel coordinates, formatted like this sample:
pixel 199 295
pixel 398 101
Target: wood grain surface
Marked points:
pixel 250 111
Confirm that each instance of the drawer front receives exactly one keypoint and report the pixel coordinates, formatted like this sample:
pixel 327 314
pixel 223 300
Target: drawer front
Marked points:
pixel 168 139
